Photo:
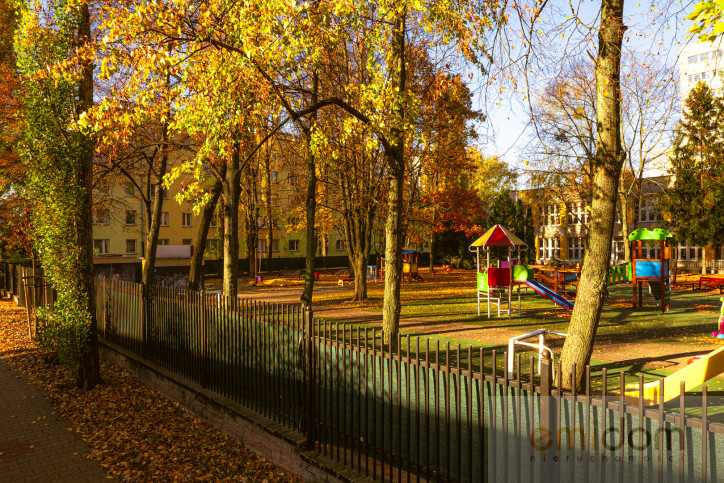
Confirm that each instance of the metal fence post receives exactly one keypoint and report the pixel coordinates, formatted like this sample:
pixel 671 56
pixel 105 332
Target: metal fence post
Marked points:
pixel 309 382
pixel 546 439
pixel 145 315
pixel 106 306
pixel 204 343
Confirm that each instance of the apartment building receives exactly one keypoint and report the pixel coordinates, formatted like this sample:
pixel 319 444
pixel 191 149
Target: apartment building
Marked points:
pixel 701 62
pixel 120 218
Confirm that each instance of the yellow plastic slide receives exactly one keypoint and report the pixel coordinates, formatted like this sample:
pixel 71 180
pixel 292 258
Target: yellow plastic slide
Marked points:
pixel 692 375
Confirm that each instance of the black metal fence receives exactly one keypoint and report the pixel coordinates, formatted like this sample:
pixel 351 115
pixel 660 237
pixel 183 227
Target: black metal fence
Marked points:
pixel 419 411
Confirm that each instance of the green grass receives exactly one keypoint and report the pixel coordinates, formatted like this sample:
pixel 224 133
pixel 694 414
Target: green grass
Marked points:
pixel 447 312
pixel 693 315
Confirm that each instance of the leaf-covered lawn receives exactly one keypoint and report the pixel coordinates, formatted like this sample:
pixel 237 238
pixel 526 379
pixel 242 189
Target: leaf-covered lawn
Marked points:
pixel 135 433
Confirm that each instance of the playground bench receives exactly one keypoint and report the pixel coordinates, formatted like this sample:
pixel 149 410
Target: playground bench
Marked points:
pixel 709 281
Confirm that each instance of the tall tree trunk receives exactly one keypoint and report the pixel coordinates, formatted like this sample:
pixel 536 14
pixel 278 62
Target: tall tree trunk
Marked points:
pixel 221 229
pixel 88 375
pixel 607 171
pixel 395 159
pixel 358 235
pixel 269 212
pixel 432 252
pixel 232 191
pixel 197 257
pixel 251 215
pixel 252 238
pixel 311 202
pixel 156 209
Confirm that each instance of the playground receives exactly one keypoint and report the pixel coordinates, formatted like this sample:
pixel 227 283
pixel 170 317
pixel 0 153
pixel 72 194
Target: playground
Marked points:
pixel 445 306
pixel 649 327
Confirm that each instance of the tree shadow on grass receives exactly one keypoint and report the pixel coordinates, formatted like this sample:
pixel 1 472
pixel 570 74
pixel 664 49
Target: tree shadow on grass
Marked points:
pixel 656 334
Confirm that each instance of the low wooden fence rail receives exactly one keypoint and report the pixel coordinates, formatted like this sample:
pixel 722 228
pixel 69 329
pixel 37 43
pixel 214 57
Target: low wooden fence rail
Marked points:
pixel 412 410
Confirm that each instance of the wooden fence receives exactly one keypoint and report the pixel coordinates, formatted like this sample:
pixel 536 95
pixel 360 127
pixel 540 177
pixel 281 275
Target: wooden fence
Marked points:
pixel 422 411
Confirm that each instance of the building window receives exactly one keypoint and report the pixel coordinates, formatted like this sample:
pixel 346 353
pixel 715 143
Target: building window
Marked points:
pixel 549 215
pixel 647 210
pixel 293 245
pixel 292 180
pixel 275 200
pixel 129 189
pixel 186 219
pixel 186 241
pixel 212 245
pixel 163 241
pixel 339 245
pixel 293 221
pixel 275 223
pixel 553 215
pixel 578 214
pixel 275 245
pixel 101 217
pixel 575 248
pixel 101 247
pixel 618 253
pixel 261 246
pixel 274 176
pixel 164 218
pixel 215 221
pixel 689 252
pixel 550 248
pixel 130 247
pixel 130 217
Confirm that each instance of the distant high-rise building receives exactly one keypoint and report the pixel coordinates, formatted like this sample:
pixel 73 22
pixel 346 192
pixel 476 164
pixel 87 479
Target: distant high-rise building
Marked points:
pixel 701 62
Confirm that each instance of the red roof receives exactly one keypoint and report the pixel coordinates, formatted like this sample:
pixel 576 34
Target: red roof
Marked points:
pixel 498 236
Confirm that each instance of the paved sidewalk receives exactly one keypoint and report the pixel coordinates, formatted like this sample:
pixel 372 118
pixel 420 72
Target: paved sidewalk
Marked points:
pixel 35 446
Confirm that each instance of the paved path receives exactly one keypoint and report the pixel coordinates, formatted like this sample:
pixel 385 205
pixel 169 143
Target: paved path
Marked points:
pixel 35 446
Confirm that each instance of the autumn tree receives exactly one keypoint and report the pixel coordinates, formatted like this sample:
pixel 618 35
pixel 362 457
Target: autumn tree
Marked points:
pixel 355 175
pixel 442 194
pixel 199 242
pixel 606 172
pixel 58 156
pixel 135 151
pixel 281 45
pixel 562 148
pixel 579 33
pixel 649 103
pixel 15 211
pixel 695 202
pixel 491 176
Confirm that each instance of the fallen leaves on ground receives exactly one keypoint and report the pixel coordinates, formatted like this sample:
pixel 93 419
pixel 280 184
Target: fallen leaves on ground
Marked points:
pixel 135 433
